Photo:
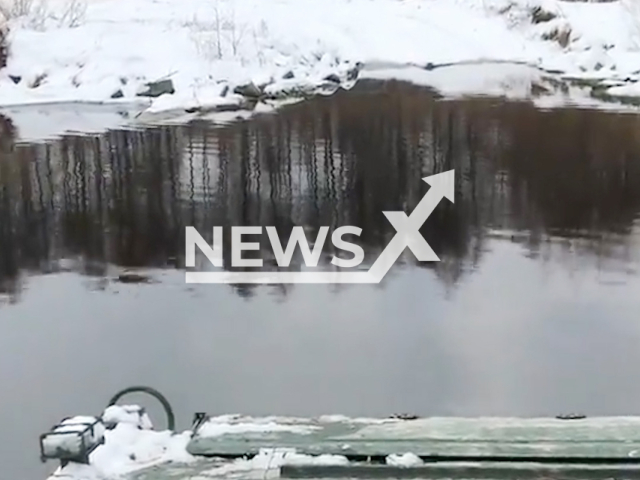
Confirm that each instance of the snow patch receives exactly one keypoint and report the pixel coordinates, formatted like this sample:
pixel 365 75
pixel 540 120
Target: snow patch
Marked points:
pixel 216 429
pixel 631 90
pixel 337 418
pixel 268 461
pixel 404 460
pixel 129 414
pixel 128 449
pixel 497 79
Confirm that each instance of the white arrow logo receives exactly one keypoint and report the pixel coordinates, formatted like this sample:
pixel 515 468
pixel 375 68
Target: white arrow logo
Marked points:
pixel 407 236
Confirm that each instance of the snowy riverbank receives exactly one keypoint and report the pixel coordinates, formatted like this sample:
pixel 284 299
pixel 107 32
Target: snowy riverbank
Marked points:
pixel 217 55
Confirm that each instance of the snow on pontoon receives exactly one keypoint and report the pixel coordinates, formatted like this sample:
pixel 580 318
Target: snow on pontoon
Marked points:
pixel 121 443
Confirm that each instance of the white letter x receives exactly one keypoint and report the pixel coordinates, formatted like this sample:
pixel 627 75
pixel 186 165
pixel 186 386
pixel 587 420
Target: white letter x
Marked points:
pixel 408 234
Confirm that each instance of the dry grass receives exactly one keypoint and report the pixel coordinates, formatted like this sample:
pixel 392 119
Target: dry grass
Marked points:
pixel 220 36
pixel 11 9
pixel 37 13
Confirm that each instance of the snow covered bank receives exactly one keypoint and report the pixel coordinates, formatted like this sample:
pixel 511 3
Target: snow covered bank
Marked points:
pixel 194 55
pixel 38 122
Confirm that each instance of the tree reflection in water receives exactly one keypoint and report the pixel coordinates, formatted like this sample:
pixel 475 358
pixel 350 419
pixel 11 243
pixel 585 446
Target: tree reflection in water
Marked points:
pixel 123 198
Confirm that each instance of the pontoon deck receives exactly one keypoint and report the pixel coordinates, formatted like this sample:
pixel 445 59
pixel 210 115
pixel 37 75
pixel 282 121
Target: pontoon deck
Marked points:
pixel 572 447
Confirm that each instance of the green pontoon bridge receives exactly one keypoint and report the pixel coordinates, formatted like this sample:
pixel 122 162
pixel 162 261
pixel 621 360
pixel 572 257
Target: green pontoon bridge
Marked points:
pixel 569 447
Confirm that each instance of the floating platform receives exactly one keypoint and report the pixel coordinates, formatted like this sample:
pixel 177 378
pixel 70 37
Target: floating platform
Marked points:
pixel 233 446
pixel 439 448
pixel 606 440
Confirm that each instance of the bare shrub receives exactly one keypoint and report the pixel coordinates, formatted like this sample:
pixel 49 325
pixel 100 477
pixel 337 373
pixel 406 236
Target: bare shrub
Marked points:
pixel 37 14
pixel 235 31
pixel 16 8
pixel 73 13
pixel 220 36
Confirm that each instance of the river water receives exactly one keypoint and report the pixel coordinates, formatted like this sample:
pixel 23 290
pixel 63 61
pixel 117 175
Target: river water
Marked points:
pixel 533 309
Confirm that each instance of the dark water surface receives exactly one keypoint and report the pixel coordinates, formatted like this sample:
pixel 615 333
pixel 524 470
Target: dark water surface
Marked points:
pixel 534 309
